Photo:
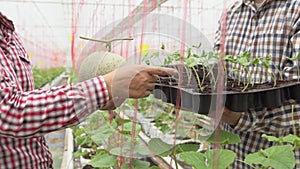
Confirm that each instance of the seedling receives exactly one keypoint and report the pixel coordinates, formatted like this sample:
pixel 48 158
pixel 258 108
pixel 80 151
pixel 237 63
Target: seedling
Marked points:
pixel 296 59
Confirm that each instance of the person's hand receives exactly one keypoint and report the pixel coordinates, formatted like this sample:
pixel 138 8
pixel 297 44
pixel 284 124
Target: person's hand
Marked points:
pixel 133 81
pixel 231 117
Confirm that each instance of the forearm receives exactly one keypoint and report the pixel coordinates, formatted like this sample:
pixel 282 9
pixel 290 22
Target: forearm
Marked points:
pixel 34 113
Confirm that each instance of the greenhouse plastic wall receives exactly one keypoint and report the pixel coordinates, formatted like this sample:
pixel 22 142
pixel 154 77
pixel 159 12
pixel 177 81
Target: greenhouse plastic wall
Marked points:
pixel 51 29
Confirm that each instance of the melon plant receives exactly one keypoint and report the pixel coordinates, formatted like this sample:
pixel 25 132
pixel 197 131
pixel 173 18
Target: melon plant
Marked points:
pixel 99 63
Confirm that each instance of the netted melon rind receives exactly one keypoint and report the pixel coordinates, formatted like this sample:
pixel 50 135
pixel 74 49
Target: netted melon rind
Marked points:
pixel 99 63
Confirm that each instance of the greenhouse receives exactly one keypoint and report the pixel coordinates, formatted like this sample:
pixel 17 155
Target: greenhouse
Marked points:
pixel 149 84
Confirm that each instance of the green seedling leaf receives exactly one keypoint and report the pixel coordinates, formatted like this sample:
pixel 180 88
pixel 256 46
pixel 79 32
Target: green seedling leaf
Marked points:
pixel 277 157
pixel 212 159
pixel 230 58
pixel 83 139
pixel 221 137
pixel 103 161
pixel 189 52
pixel 137 164
pixel 244 61
pixel 190 62
pixel 79 153
pixel 256 61
pixel 78 131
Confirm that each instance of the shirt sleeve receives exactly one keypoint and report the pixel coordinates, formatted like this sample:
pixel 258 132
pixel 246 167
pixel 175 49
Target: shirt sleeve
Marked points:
pixel 37 112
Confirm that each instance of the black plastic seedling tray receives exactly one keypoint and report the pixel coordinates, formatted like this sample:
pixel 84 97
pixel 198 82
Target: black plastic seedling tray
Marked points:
pixel 203 103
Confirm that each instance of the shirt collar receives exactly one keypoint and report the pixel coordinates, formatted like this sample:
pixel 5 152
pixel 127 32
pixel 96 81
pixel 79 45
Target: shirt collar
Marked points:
pixel 6 22
pixel 249 3
pixel 252 1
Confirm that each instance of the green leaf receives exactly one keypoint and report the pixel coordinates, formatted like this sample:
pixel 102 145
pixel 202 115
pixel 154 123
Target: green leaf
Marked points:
pixel 137 164
pixel 128 126
pixel 221 137
pixel 255 61
pixel 81 140
pixel 79 153
pixel 277 157
pixel 102 136
pixel 129 151
pixel 195 159
pixel 244 61
pixel 212 159
pixel 220 158
pixel 154 167
pixel 230 58
pixel 286 139
pixel 291 139
pixel 164 128
pixel 180 148
pixel 158 147
pixel 141 149
pixel 103 161
pixel 270 138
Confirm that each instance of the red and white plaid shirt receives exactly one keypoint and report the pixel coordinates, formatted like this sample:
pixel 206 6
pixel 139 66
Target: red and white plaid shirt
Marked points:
pixel 27 114
pixel 272 30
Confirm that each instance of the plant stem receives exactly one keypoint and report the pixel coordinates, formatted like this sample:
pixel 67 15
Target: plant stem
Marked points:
pixel 246 163
pixel 189 74
pixel 275 83
pixel 245 87
pixel 175 160
pixel 293 120
pixel 212 75
pixel 107 42
pixel 198 79
pixel 248 81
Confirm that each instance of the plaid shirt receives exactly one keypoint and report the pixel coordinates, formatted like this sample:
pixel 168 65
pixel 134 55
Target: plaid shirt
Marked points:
pixel 272 30
pixel 27 114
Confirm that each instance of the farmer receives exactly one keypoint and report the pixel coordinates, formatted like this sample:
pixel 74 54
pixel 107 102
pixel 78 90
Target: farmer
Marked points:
pixel 27 114
pixel 263 28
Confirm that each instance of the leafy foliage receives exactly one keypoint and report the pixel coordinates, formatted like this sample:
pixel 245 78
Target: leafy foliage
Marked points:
pixel 44 76
pixel 221 137
pixel 277 157
pixel 211 159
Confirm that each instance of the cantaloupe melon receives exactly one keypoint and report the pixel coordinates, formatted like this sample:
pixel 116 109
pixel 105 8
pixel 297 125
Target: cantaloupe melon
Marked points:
pixel 99 63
